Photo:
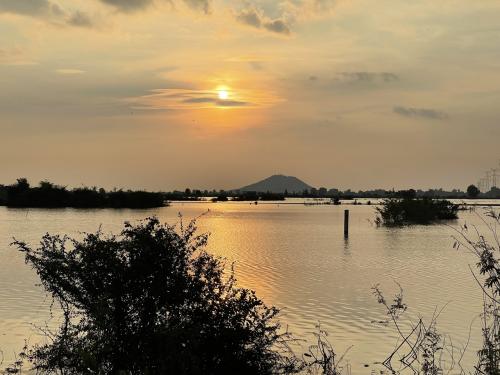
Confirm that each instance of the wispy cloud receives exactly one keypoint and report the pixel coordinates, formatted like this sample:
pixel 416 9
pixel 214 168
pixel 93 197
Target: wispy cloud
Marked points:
pixel 368 76
pixel 177 99
pixel 46 10
pixel 135 5
pixel 69 72
pixel 428 113
pixel 128 5
pixel 30 8
pixel 201 5
pixel 254 17
pixel 80 19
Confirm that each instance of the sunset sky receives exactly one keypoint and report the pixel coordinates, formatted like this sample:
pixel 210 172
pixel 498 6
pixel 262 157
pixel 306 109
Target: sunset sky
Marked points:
pixel 169 94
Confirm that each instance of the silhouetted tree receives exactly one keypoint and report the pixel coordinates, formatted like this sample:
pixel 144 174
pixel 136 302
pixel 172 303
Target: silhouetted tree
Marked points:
pixel 22 184
pixel 473 191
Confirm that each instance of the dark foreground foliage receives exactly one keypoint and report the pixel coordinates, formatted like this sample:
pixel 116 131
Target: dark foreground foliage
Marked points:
pixel 151 301
pixel 49 195
pixel 486 248
pixel 409 210
pixel 421 348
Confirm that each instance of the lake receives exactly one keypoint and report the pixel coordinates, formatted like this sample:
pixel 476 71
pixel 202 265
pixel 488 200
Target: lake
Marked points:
pixel 295 257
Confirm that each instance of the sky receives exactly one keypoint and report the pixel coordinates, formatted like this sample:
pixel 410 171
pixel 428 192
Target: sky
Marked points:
pixel 169 94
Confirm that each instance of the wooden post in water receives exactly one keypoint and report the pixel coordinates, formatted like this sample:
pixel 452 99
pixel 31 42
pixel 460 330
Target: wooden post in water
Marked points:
pixel 346 223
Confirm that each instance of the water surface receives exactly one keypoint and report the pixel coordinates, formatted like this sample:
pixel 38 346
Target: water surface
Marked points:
pixel 294 256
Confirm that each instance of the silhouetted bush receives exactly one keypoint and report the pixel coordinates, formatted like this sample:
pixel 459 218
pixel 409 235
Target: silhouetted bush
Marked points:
pixel 152 301
pixel 406 211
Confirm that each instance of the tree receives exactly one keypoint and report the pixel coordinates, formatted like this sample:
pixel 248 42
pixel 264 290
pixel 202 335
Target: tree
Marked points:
pixel 473 191
pixel 151 301
pixel 22 184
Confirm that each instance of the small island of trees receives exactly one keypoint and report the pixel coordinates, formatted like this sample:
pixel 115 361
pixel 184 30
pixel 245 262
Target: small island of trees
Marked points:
pixel 406 209
pixel 49 195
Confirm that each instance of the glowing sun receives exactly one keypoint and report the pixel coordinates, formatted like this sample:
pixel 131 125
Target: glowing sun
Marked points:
pixel 223 94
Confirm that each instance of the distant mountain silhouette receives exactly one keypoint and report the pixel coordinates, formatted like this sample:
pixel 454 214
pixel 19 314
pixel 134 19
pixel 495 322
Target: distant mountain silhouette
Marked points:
pixel 278 184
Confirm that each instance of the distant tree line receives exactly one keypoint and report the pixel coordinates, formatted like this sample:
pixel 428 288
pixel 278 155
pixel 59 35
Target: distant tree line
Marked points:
pixel 237 195
pixel 49 195
pixel 222 195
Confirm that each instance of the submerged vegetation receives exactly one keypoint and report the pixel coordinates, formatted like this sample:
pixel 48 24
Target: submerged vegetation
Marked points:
pixel 49 195
pixel 407 209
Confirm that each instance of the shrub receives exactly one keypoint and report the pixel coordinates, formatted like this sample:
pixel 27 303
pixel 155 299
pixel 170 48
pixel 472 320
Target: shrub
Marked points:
pixel 406 211
pixel 152 301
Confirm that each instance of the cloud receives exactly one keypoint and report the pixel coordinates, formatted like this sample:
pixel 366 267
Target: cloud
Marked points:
pixel 128 5
pixel 250 17
pixel 428 113
pixel 46 10
pixel 80 19
pixel 254 17
pixel 368 76
pixel 135 5
pixel 202 5
pixel 189 99
pixel 34 8
pixel 69 71
pixel 278 26
pixel 199 100
pixel 217 102
pixel 322 5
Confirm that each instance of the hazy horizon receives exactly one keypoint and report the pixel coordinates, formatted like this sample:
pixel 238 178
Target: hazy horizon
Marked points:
pixel 218 94
pixel 233 187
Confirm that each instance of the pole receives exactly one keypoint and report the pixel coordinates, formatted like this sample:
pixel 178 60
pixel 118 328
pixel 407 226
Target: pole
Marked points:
pixel 346 223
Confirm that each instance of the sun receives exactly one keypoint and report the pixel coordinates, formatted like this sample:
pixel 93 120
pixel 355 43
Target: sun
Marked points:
pixel 223 94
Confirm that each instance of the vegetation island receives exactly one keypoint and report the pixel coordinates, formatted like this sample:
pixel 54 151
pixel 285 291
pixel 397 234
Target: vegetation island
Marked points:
pixel 49 195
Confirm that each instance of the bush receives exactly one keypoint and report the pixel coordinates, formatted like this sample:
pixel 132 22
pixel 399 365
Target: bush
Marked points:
pixel 399 212
pixel 152 301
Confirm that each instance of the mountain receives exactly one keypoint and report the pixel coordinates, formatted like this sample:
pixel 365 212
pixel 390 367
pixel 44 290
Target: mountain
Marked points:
pixel 278 184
